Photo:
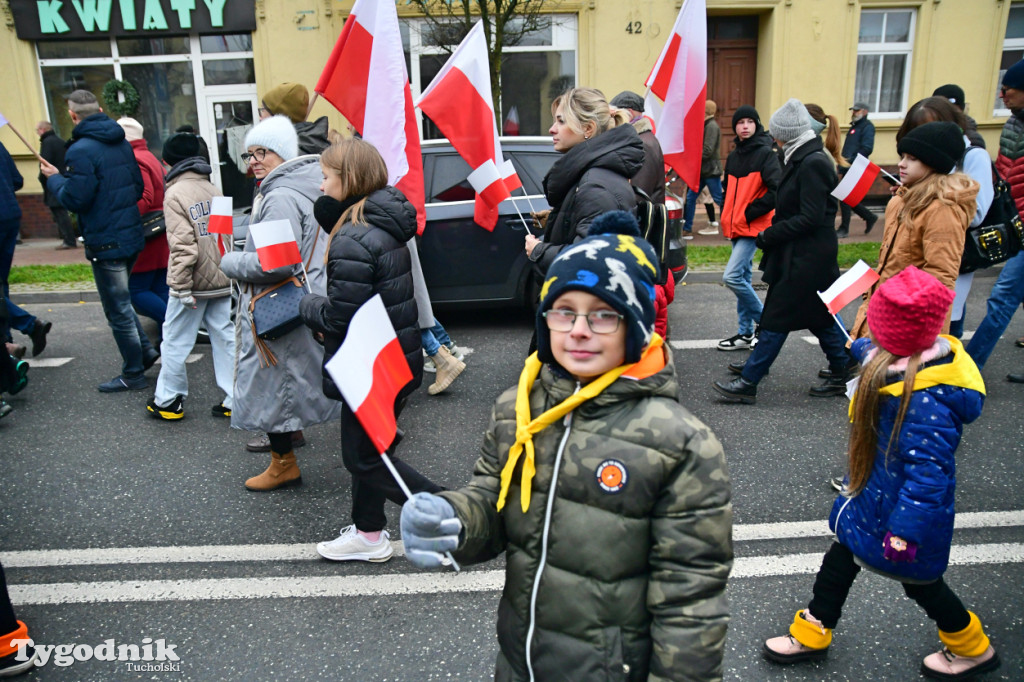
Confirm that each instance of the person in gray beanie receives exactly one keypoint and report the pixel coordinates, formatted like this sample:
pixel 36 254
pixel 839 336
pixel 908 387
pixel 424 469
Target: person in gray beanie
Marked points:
pixel 800 249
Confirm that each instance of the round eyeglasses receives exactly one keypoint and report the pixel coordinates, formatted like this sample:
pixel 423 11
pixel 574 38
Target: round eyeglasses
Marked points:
pixel 600 321
pixel 259 155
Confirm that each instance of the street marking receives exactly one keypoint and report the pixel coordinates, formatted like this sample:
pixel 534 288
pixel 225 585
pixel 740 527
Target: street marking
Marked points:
pixel 47 362
pixel 406 583
pixel 694 345
pixel 306 551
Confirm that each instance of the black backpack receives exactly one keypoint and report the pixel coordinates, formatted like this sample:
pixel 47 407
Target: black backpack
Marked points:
pixel 654 227
pixel 1000 234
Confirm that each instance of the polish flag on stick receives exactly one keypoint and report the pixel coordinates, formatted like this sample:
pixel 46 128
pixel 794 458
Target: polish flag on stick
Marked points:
pixel 857 181
pixel 677 89
pixel 370 370
pixel 851 285
pixel 512 183
pixel 275 245
pixel 220 222
pixel 458 101
pixel 5 122
pixel 366 80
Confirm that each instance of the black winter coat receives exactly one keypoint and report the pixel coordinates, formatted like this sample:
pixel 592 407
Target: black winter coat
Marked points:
pixel 51 148
pixel 590 179
pixel 800 247
pixel 362 261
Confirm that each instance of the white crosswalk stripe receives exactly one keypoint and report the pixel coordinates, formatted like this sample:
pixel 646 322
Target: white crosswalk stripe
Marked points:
pixel 46 363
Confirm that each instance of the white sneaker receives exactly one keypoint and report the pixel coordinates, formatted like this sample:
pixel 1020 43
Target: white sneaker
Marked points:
pixel 457 352
pixel 709 231
pixel 428 364
pixel 351 546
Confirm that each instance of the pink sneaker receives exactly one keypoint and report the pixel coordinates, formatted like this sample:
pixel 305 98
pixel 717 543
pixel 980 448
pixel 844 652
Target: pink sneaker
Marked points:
pixel 786 649
pixel 945 665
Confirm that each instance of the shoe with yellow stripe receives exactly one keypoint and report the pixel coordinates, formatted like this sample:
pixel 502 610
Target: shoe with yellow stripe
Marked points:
pixel 171 412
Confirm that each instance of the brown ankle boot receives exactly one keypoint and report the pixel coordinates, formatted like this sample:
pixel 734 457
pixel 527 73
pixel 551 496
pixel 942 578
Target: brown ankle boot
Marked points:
pixel 283 470
pixel 448 369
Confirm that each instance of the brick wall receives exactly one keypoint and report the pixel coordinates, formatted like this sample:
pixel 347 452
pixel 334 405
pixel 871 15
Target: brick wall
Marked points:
pixel 36 219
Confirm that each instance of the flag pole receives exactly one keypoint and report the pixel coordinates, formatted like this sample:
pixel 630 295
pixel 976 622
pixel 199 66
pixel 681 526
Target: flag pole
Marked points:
pixel 305 277
pixel 408 493
pixel 525 224
pixel 22 138
pixel 890 176
pixel 312 101
pixel 839 321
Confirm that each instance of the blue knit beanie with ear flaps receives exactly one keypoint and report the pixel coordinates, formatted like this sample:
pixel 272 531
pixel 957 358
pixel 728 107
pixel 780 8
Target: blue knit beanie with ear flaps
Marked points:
pixel 613 263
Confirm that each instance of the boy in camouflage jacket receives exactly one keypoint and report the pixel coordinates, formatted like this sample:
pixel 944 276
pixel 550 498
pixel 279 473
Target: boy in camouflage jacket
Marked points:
pixel 610 500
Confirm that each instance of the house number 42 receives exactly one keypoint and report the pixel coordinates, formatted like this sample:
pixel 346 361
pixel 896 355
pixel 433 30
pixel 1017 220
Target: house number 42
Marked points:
pixel 634 27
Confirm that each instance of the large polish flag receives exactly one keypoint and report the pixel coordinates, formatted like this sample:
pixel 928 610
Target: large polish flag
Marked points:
pixel 366 80
pixel 851 285
pixel 857 181
pixel 459 103
pixel 677 89
pixel 275 244
pixel 370 369
pixel 220 216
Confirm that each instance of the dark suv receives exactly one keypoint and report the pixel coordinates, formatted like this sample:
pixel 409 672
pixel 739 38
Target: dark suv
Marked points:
pixel 463 263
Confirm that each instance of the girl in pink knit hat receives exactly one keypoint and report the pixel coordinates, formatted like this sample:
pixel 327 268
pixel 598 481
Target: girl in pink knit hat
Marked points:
pixel 916 390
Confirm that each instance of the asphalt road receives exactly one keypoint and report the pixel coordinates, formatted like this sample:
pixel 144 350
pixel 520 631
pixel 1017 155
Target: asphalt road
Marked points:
pixel 119 527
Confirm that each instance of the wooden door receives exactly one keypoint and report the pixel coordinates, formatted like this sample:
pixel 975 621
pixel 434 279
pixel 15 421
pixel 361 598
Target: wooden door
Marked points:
pixel 732 70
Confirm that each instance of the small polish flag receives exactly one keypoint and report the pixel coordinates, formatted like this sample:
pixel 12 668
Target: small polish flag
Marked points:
pixel 857 181
pixel 275 244
pixel 851 285
pixel 511 126
pixel 509 175
pixel 3 121
pixel 220 216
pixel 370 369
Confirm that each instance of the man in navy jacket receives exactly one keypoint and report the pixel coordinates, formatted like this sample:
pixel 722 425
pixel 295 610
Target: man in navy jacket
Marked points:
pixel 860 139
pixel 101 182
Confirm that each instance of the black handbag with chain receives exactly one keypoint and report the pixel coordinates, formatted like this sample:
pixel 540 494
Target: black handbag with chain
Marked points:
pixel 1000 234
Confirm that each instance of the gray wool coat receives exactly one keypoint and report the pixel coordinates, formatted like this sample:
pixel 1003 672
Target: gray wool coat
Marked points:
pixel 286 396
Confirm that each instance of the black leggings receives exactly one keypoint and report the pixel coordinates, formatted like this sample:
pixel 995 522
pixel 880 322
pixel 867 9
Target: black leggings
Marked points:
pixel 837 573
pixel 8 623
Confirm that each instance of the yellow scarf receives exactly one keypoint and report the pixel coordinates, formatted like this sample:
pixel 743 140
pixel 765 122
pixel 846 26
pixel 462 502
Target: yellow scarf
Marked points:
pixel 650 363
pixel 960 372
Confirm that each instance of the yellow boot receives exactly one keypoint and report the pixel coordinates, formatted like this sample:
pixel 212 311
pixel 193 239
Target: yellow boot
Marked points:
pixel 967 653
pixel 807 640
pixel 448 369
pixel 283 470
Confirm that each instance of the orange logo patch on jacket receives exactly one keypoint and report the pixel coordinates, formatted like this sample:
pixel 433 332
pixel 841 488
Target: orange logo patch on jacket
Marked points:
pixel 612 475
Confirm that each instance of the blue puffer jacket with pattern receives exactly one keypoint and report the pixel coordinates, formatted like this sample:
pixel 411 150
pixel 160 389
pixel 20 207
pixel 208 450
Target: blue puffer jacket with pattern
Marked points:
pixel 911 491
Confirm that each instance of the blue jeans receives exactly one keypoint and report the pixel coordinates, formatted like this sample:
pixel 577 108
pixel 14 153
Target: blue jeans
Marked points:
pixel 831 340
pixel 714 186
pixel 112 285
pixel 738 273
pixel 434 338
pixel 149 293
pixel 1007 294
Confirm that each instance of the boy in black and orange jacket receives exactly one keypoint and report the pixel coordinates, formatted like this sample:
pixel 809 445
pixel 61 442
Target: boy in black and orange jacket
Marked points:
pixel 752 174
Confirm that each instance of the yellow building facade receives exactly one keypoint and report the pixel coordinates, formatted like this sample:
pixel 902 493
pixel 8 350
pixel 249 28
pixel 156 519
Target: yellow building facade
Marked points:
pixel 190 69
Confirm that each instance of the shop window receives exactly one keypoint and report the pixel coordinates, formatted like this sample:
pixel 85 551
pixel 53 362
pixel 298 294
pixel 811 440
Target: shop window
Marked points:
pixel 1013 52
pixel 884 50
pixel 225 43
pixel 149 47
pixel 228 71
pixel 168 85
pixel 534 71
pixel 73 49
pixel 58 81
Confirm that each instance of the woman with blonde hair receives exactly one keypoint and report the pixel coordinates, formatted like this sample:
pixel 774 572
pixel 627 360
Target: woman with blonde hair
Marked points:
pixel 368 223
pixel 599 156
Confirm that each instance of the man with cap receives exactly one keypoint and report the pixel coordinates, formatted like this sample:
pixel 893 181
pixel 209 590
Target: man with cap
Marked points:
pixel 860 139
pixel 955 95
pixel 102 183
pixel 292 100
pixel 1008 291
pixel 651 176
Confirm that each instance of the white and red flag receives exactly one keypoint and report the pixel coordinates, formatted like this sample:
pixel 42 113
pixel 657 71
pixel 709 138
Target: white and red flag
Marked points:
pixel 275 244
pixel 854 186
pixel 366 80
pixel 3 121
pixel 677 89
pixel 509 176
pixel 511 126
pixel 458 101
pixel 220 216
pixel 851 285
pixel 370 369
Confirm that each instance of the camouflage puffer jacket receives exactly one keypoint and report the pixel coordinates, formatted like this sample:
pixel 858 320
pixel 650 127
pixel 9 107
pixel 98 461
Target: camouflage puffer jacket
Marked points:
pixel 633 549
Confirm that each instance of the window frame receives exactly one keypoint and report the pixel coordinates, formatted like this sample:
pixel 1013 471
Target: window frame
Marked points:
pixel 883 48
pixel 999 110
pixel 564 38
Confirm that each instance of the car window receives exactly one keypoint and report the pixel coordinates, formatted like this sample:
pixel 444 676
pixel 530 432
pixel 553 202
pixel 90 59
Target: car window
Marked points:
pixel 449 181
pixel 537 165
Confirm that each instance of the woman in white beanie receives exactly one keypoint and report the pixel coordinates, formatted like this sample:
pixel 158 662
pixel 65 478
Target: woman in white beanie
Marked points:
pixel 280 396
pixel 800 249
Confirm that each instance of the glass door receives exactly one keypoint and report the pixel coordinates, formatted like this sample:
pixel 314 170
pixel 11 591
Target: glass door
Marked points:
pixel 227 120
